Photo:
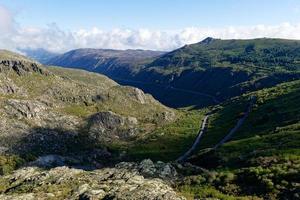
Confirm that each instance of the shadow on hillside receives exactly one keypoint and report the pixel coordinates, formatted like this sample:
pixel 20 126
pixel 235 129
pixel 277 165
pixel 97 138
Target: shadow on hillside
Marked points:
pixel 47 148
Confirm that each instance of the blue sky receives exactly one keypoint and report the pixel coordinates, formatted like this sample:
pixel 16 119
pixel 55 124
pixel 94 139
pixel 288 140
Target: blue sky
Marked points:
pixel 61 25
pixel 153 14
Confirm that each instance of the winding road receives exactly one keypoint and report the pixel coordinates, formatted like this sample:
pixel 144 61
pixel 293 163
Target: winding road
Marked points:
pixel 195 144
pixel 238 124
pixel 225 139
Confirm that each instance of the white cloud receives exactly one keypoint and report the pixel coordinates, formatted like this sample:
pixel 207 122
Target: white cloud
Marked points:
pixel 7 27
pixel 6 20
pixel 56 39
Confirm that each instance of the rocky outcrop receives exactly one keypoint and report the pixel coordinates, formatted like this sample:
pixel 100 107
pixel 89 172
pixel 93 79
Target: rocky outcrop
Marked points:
pixel 22 67
pixel 7 86
pixel 139 95
pixel 25 108
pixel 150 169
pixel 125 181
pixel 105 126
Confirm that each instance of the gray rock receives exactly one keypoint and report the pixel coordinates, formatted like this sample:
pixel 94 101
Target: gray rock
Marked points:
pixel 139 95
pixel 107 126
pixel 107 183
pixel 150 169
pixel 25 108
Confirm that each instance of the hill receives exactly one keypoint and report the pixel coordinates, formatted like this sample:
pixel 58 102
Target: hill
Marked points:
pixel 262 158
pixel 197 74
pixel 105 61
pixel 82 110
pixel 68 133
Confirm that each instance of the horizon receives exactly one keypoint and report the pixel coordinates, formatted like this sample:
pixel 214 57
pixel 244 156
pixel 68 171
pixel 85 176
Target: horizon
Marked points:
pixel 21 51
pixel 62 26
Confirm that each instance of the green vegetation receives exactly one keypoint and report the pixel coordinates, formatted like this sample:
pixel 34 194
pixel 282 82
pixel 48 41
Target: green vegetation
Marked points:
pixel 261 160
pixel 8 163
pixel 239 66
pixel 273 177
pixel 167 142
pixel 266 54
pixel 263 156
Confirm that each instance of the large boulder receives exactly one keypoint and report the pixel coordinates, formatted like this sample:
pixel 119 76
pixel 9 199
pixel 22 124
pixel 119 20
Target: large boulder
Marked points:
pixel 108 126
pixel 150 169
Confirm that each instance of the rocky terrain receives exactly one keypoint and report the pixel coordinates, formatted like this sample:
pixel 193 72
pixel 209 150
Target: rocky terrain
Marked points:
pixel 40 107
pixel 71 134
pixel 54 118
pixel 144 180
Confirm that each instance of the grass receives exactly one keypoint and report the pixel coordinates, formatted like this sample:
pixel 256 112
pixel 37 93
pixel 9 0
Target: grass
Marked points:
pixel 8 163
pixel 263 155
pixel 276 110
pixel 168 142
pixel 206 191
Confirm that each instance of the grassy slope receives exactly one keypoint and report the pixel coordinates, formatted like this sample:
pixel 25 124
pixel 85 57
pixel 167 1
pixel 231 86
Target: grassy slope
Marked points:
pixel 277 112
pixel 168 142
pixel 69 93
pixel 165 142
pixel 264 53
pixel 263 158
pixel 239 66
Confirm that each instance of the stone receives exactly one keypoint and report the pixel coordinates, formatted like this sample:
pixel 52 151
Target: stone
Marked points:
pixel 106 183
pixel 140 96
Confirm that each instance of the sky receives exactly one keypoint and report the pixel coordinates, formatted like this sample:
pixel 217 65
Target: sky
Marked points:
pixel 62 25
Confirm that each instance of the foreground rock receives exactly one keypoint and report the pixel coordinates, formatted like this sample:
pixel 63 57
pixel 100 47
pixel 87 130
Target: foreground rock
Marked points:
pixel 125 181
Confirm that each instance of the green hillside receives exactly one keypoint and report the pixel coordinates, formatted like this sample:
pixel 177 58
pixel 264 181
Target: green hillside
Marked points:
pixel 263 157
pixel 188 74
pixel 239 66
pixel 84 111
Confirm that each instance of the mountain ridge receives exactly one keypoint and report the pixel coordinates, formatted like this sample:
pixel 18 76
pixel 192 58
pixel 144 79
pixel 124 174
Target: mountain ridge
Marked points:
pixel 239 65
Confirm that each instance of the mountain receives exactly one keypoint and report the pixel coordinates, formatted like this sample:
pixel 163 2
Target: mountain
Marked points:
pixel 105 61
pixel 40 106
pixel 71 121
pixel 72 134
pixel 223 68
pixel 204 73
pixel 39 54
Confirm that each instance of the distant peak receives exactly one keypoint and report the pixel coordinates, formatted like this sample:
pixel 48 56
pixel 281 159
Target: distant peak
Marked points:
pixel 207 40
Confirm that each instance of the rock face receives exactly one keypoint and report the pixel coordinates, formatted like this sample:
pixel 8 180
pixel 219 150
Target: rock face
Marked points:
pixel 150 169
pixel 106 126
pixel 139 95
pixel 125 181
pixel 8 87
pixel 21 67
pixel 25 108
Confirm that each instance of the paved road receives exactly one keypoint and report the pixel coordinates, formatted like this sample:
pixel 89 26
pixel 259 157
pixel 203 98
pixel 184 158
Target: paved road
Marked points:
pixel 238 124
pixel 225 139
pixel 195 144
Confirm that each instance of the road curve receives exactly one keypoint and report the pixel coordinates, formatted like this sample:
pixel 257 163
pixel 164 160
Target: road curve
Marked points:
pixel 225 139
pixel 195 144
pixel 238 124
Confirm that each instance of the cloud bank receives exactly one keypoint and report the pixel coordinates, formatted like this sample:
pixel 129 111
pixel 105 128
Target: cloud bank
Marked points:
pixel 53 38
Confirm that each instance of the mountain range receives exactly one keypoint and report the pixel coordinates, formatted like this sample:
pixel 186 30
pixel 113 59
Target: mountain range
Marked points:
pixel 191 71
pixel 219 119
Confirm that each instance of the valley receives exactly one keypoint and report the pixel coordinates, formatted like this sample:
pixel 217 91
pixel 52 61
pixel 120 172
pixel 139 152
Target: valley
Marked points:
pixel 72 134
pixel 189 74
